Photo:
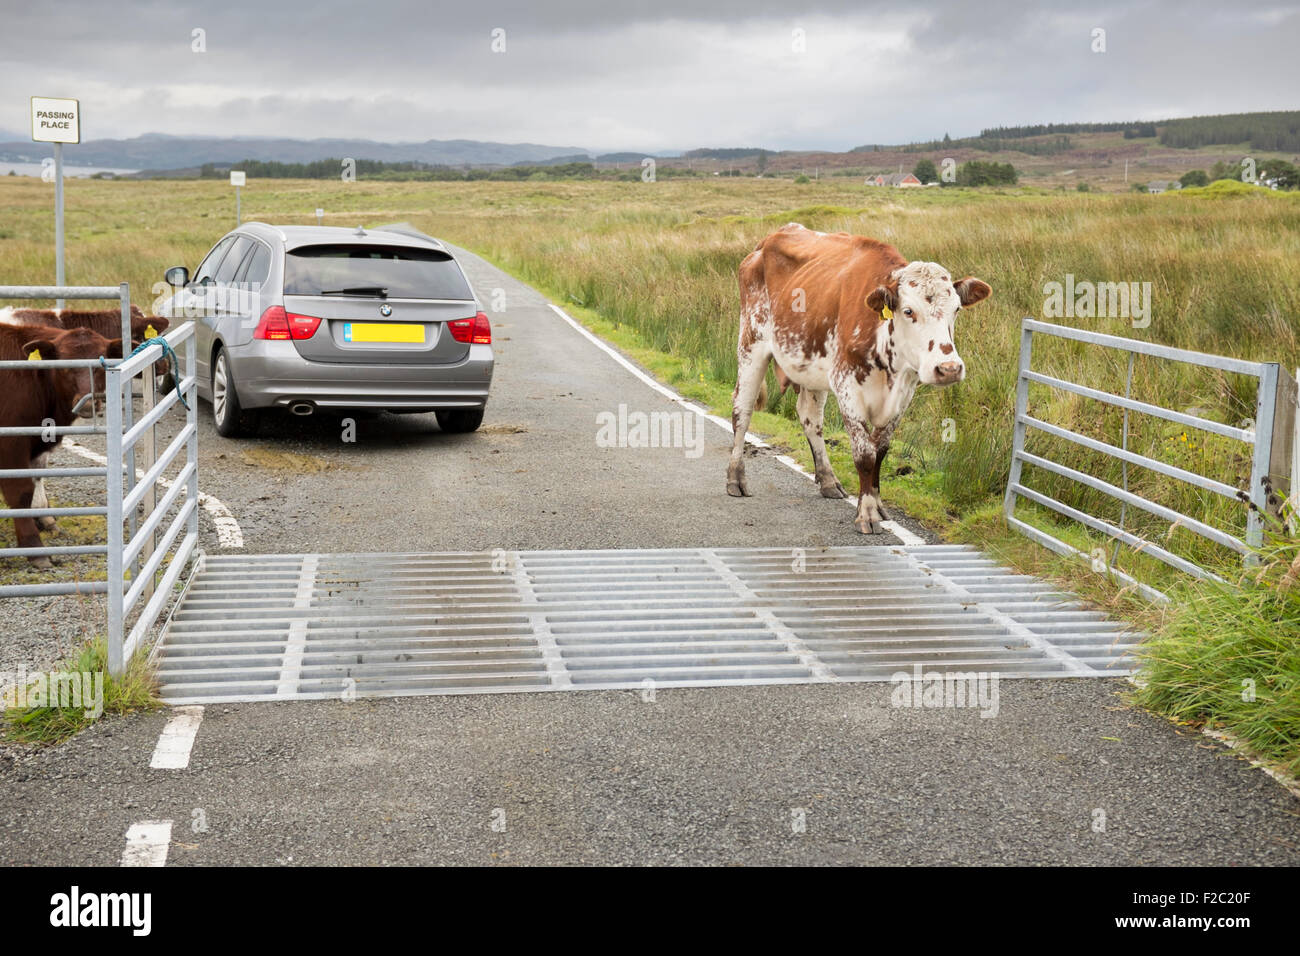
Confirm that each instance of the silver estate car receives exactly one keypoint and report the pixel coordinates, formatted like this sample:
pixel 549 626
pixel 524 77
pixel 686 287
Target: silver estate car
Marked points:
pixel 309 318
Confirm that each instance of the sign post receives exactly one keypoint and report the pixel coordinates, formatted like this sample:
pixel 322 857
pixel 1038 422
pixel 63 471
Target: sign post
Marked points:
pixel 56 121
pixel 237 179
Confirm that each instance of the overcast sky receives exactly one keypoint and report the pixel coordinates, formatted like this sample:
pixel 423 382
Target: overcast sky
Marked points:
pixel 668 74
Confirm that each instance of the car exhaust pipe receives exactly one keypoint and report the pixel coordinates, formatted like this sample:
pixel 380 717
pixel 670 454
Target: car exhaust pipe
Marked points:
pixel 302 408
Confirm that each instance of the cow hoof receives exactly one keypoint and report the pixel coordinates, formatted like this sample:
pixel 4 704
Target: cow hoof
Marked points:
pixel 42 563
pixel 834 491
pixel 738 489
pixel 47 524
pixel 868 527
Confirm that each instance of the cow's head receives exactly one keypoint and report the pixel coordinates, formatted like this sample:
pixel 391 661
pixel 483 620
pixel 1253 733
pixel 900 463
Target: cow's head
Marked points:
pixel 141 324
pixel 922 301
pixel 72 386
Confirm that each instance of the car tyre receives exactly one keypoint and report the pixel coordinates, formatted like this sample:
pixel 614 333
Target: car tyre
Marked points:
pixel 231 419
pixel 459 421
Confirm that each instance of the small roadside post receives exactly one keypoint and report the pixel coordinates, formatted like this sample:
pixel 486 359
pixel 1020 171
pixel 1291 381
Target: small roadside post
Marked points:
pixel 58 121
pixel 237 179
pixel 320 216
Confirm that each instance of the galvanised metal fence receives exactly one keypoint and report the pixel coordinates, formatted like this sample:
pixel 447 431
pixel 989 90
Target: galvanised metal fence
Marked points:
pixel 144 547
pixel 1266 438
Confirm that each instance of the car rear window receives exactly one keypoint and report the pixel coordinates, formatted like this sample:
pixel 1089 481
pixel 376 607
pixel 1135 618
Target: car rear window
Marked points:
pixel 405 273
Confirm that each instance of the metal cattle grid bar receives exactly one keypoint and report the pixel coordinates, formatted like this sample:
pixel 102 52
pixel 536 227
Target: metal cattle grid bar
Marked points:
pixel 283 627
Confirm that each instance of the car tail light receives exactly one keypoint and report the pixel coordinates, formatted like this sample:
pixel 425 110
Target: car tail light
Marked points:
pixel 278 325
pixel 302 326
pixel 272 325
pixel 476 331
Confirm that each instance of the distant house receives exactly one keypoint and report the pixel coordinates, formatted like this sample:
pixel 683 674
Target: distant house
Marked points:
pixel 1157 186
pixel 895 179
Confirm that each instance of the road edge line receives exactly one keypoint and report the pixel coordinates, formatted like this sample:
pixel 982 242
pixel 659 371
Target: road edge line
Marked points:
pixel 172 752
pixel 147 843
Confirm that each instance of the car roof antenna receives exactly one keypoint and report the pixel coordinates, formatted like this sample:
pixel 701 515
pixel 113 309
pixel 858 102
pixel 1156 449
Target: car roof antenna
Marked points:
pixel 360 231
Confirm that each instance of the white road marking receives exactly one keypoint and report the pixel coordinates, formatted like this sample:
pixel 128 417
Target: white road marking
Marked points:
pixel 177 739
pixel 901 533
pixel 147 843
pixel 229 534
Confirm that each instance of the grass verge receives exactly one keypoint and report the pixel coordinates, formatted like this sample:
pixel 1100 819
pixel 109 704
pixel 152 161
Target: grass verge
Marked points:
pixel 48 725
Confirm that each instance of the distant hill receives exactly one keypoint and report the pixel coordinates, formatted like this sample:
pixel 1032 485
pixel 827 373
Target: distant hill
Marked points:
pixel 158 151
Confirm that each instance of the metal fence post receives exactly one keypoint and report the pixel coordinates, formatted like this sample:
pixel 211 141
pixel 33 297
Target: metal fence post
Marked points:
pixel 1265 406
pixel 113 416
pixel 128 413
pixel 1022 409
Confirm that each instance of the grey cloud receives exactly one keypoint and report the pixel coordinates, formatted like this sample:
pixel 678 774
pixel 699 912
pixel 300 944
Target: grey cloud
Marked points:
pixel 650 76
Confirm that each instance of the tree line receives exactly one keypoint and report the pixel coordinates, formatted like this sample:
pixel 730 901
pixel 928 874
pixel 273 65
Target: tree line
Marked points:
pixel 1278 131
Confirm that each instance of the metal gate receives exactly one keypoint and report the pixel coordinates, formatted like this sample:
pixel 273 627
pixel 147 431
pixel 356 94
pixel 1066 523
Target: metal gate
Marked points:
pixel 280 627
pixel 147 550
pixel 1270 459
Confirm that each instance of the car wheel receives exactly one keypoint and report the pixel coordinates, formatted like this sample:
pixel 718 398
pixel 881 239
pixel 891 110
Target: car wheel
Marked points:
pixel 231 420
pixel 460 420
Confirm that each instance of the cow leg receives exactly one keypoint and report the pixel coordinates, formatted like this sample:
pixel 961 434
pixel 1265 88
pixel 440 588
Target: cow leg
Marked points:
pixel 811 405
pixel 39 499
pixel 864 457
pixel 880 438
pixel 752 369
pixel 18 494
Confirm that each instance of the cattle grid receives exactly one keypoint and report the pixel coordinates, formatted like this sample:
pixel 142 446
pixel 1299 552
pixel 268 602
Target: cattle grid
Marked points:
pixel 317 626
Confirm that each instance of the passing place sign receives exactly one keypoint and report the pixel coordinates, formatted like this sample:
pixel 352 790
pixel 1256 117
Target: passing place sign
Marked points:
pixel 56 120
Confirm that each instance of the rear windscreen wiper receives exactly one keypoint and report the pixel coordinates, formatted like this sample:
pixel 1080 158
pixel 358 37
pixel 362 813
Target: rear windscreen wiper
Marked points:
pixel 357 290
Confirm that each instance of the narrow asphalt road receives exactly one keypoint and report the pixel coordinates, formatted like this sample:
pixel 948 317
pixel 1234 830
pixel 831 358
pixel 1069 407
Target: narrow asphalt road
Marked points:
pixel 1066 773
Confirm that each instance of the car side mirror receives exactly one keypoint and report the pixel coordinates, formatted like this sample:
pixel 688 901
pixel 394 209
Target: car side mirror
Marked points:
pixel 177 276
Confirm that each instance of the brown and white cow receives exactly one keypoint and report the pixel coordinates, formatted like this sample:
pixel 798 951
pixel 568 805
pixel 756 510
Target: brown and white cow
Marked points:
pixel 31 398
pixel 849 315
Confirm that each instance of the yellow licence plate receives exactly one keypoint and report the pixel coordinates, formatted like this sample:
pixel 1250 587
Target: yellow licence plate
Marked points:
pixel 386 332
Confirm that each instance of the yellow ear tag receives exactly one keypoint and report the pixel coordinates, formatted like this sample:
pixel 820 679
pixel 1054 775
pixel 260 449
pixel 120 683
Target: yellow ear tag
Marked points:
pixel 35 355
pixel 150 332
pixel 886 313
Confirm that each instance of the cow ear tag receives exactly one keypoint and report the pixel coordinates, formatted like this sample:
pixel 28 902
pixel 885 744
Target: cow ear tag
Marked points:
pixel 150 332
pixel 886 313
pixel 35 355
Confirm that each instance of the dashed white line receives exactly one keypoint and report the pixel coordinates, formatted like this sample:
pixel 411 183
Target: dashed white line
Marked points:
pixel 177 740
pixel 147 843
pixel 901 533
pixel 229 534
